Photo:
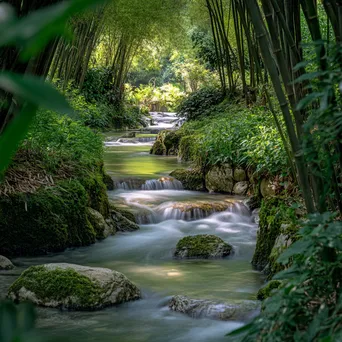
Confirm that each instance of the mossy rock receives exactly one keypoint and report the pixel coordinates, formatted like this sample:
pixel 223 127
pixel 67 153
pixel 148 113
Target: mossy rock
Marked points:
pixel 122 224
pixel 192 179
pixel 171 141
pixel 97 193
pixel 73 287
pixel 202 246
pixel 188 147
pixel 48 220
pixel 158 148
pixel 273 213
pixel 113 206
pixel 99 224
pixel 268 289
pixel 108 181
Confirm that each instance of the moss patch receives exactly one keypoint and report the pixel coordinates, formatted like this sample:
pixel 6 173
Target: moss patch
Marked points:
pixel 191 179
pixel 97 193
pixel 273 213
pixel 158 148
pixel 268 289
pixel 202 246
pixel 48 220
pixel 58 285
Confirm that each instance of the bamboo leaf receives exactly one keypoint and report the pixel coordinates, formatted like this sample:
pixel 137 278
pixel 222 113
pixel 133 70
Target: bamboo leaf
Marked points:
pixel 307 100
pixel 14 133
pixel 35 91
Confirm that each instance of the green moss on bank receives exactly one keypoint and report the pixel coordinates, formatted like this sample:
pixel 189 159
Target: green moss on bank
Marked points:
pixel 48 220
pixel 268 289
pixel 273 213
pixel 58 285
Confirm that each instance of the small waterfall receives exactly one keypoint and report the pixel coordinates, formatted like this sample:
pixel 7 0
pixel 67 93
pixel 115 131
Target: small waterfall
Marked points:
pixel 165 183
pixel 162 184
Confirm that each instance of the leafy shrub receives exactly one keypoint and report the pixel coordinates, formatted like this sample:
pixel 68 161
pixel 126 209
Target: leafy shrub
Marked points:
pixel 128 117
pixel 199 103
pixel 308 306
pixel 64 141
pixel 235 135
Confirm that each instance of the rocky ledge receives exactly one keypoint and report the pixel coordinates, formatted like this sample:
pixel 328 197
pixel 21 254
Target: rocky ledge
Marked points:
pixel 201 308
pixel 202 247
pixel 73 287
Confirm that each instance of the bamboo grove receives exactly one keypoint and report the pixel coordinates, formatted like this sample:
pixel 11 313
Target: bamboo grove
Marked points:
pixel 269 53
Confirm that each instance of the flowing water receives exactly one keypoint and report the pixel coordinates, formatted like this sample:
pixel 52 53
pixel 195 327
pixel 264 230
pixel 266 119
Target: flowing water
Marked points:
pixel 167 213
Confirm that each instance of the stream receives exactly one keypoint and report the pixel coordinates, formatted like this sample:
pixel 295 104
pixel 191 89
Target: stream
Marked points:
pixel 145 256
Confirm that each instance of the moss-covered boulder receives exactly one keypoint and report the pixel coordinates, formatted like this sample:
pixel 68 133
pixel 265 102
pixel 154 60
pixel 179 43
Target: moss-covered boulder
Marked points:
pixel 241 188
pixel 202 308
pixel 102 229
pixel 267 188
pixel 267 290
pixel 192 179
pixel 239 175
pixel 73 287
pixel 220 179
pixel 202 247
pixel 5 264
pixel 273 214
pixel 158 148
pixel 171 141
pixel 49 220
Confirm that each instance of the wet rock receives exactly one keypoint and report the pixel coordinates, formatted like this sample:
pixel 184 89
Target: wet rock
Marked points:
pixel 267 189
pixel 114 207
pixel 73 287
pixel 102 229
pixel 5 264
pixel 163 183
pixel 252 202
pixel 158 148
pixel 123 224
pixel 220 179
pixel 255 215
pixel 240 175
pixel 109 182
pixel 241 188
pixel 267 290
pixel 129 135
pixel 202 247
pixel 192 179
pixel 201 308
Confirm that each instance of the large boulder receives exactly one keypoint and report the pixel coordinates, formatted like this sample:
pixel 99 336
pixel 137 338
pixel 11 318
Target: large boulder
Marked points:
pixel 158 148
pixel 5 264
pixel 192 179
pixel 109 182
pixel 240 175
pixel 267 188
pixel 267 290
pixel 202 246
pixel 102 229
pixel 201 308
pixel 241 188
pixel 220 179
pixel 73 287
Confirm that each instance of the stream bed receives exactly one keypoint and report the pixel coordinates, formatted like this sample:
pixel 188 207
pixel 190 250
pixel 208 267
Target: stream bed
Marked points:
pixel 145 257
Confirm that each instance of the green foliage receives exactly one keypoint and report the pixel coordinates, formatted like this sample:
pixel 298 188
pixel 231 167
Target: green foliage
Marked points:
pixel 16 322
pixel 63 141
pixel 198 104
pixel 236 135
pixel 268 289
pixel 308 306
pixel 31 34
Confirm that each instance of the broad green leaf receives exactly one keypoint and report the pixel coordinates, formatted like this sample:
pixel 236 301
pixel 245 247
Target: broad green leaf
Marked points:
pixel 7 321
pixel 26 317
pixel 14 133
pixel 299 247
pixel 34 31
pixel 239 331
pixel 34 90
